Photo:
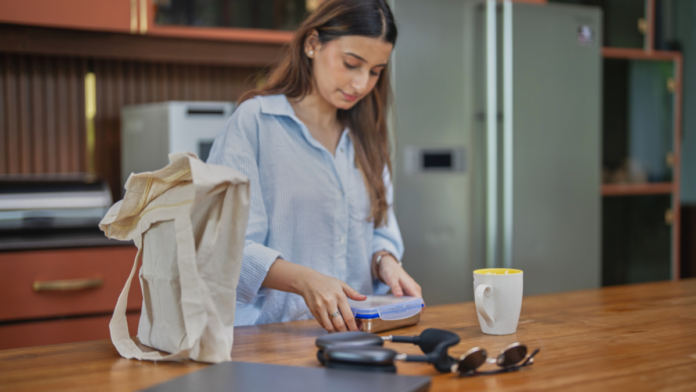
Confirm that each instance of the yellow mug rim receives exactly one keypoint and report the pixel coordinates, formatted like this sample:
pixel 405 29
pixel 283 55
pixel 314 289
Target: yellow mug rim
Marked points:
pixel 498 271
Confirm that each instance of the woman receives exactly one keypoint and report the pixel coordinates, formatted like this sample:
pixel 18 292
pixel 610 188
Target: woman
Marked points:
pixel 314 144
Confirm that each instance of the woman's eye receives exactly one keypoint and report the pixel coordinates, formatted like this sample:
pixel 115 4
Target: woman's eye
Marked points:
pixel 373 73
pixel 350 66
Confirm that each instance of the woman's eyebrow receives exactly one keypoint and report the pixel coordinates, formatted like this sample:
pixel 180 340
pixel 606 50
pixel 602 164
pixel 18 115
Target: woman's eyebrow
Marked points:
pixel 363 60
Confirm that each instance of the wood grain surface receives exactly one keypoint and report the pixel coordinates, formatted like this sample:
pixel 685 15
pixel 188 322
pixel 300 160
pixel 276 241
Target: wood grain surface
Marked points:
pixel 42 102
pixel 624 338
pixel 60 330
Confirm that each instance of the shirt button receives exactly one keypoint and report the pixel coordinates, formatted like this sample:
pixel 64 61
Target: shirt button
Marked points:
pixel 341 149
pixel 341 239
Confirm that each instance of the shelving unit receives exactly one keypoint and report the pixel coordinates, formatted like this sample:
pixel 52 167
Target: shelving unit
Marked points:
pixel 632 236
pixel 637 189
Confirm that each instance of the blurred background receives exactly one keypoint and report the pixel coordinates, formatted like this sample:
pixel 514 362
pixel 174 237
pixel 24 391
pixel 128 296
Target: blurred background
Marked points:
pixel 551 136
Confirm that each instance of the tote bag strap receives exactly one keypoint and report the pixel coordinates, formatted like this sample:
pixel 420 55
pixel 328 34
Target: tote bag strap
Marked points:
pixel 118 326
pixel 197 305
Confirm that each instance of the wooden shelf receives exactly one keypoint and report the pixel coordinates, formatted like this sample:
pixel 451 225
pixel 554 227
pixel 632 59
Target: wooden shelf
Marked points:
pixel 658 188
pixel 151 47
pixel 639 54
pixel 258 36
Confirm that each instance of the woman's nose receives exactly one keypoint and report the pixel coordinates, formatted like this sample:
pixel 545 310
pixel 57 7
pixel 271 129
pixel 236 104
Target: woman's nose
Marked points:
pixel 360 82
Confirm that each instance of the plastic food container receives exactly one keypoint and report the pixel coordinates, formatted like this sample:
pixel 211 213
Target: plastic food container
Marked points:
pixel 384 312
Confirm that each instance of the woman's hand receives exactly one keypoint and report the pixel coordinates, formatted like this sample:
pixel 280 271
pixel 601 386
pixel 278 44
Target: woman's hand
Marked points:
pixel 323 294
pixel 400 282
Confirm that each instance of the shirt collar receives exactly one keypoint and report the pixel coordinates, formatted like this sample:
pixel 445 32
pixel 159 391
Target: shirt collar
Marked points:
pixel 276 105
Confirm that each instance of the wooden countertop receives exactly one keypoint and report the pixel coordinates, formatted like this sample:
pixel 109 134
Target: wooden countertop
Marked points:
pixel 627 338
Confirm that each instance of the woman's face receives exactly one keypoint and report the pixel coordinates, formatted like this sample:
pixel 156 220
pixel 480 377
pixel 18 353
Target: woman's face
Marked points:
pixel 346 69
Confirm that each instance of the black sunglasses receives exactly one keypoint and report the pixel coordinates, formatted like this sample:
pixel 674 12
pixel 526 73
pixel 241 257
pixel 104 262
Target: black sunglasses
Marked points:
pixel 510 359
pixel 364 351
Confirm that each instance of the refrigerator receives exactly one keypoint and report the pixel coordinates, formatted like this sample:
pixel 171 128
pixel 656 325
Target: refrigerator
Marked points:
pixel 497 122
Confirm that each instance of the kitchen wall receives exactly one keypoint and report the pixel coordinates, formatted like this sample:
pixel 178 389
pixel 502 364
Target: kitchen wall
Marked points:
pixel 42 106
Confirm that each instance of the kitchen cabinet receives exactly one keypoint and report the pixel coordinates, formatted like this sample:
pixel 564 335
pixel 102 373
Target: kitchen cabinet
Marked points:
pixel 637 238
pixel 103 15
pixel 268 24
pixel 63 295
pixel 250 14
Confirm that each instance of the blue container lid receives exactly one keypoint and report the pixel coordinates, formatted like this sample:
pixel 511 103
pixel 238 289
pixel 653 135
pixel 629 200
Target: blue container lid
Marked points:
pixel 386 307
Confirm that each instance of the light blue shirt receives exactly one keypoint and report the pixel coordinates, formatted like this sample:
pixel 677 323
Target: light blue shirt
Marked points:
pixel 307 206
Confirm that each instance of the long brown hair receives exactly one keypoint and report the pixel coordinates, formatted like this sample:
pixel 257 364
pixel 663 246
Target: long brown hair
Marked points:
pixel 367 119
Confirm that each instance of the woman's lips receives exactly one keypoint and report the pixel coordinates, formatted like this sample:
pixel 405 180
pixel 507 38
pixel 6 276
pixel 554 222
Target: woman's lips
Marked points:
pixel 349 97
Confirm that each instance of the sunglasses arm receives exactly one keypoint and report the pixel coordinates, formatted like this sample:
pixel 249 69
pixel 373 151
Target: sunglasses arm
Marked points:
pixel 412 358
pixel 530 358
pixel 401 339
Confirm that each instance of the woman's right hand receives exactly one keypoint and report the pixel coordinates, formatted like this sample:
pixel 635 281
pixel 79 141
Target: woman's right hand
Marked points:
pixel 324 296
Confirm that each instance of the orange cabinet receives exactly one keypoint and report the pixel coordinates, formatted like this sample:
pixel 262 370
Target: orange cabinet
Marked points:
pixel 122 16
pixel 69 330
pixel 63 295
pixel 104 15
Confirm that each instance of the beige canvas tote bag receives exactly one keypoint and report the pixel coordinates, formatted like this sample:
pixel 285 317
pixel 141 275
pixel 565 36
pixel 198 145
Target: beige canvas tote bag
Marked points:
pixel 188 221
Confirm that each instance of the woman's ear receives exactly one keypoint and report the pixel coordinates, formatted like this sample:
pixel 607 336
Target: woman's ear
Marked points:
pixel 312 43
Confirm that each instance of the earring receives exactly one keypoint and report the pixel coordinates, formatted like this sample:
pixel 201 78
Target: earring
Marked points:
pixel 311 53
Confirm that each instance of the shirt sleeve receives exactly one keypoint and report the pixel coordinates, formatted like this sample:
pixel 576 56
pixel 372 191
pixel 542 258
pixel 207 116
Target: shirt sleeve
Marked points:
pixel 387 237
pixel 236 146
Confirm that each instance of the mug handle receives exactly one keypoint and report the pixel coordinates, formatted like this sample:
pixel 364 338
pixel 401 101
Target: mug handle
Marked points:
pixel 481 291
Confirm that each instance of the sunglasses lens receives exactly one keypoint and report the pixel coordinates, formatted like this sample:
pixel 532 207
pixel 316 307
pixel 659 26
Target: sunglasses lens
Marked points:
pixel 472 360
pixel 512 355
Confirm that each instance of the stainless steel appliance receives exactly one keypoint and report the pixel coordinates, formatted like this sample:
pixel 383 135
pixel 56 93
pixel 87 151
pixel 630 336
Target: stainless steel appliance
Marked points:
pixel 507 95
pixel 53 201
pixel 150 132
pixel 50 211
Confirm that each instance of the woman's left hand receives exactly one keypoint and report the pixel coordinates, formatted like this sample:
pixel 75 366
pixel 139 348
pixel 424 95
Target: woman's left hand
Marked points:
pixel 400 282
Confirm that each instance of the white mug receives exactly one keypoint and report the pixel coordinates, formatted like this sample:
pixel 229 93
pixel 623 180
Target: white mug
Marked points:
pixel 498 297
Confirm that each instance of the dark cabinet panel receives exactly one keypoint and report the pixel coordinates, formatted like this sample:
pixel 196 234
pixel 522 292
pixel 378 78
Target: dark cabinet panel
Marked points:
pixel 636 239
pixel 255 14
pixel 69 330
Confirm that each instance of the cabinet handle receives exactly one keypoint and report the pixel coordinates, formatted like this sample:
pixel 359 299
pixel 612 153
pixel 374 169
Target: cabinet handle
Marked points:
pixel 143 16
pixel 669 217
pixel 642 25
pixel 311 5
pixel 133 16
pixel 671 85
pixel 68 285
pixel 669 159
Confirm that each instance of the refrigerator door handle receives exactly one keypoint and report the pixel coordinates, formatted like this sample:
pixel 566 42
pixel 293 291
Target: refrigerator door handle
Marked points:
pixel 491 136
pixel 507 134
